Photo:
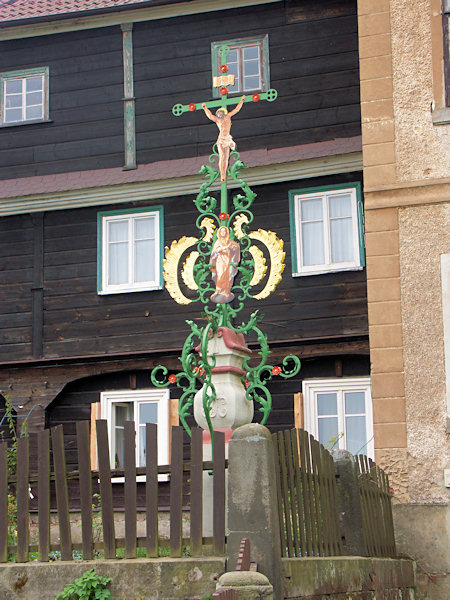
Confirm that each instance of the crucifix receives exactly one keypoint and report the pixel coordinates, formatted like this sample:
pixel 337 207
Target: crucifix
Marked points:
pixel 222 117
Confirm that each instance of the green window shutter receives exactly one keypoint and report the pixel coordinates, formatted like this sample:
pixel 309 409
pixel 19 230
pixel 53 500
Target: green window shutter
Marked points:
pixel 361 236
pixel 293 231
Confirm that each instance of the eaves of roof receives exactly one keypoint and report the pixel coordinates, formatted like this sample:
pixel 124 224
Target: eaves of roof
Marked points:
pixel 24 12
pixel 146 10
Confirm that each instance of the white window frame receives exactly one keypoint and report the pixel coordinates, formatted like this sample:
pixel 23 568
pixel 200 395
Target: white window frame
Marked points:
pixel 137 397
pixel 23 76
pixel 103 261
pixel 262 43
pixel 357 263
pixel 312 387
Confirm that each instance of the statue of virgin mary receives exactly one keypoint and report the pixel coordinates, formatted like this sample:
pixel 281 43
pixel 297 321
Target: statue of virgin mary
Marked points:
pixel 225 252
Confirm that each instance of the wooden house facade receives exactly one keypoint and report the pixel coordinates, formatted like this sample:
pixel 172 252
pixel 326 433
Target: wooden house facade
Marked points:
pixel 87 137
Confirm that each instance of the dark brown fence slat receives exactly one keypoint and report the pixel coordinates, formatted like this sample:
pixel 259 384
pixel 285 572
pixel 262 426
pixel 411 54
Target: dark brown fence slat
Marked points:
pixel 285 495
pixel 298 492
pixel 104 471
pixel 176 492
pixel 3 502
pixel 293 510
pixel 219 492
pixel 320 498
pixel 130 489
pixel 364 506
pixel 85 487
pixel 334 517
pixel 196 489
pixel 314 498
pixel 279 495
pixel 375 527
pixel 388 516
pixel 303 441
pixel 23 499
pixel 62 496
pixel 43 447
pixel 151 488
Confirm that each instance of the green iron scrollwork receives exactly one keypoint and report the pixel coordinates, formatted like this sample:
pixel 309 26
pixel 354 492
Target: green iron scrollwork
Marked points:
pixel 197 366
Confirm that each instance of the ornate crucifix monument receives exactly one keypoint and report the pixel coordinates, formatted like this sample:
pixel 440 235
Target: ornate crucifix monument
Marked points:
pixel 227 266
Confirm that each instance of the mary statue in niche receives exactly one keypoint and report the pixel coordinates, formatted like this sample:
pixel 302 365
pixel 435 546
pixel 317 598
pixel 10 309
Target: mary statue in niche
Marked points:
pixel 225 252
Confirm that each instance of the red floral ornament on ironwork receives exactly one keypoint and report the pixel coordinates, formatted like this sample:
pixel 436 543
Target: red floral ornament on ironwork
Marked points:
pixel 255 97
pixel 223 68
pixel 223 91
pixel 276 370
pixel 172 378
pixel 223 216
pixel 246 383
pixel 192 107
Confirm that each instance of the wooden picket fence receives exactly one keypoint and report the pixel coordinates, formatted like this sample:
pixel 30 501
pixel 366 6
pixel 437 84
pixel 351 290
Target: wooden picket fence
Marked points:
pixel 58 477
pixel 307 502
pixel 376 506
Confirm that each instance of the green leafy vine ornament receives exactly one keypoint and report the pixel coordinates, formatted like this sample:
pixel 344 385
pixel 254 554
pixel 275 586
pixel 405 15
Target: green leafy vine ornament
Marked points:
pixel 221 268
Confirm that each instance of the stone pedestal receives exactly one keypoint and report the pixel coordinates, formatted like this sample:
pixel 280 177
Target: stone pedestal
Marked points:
pixel 230 408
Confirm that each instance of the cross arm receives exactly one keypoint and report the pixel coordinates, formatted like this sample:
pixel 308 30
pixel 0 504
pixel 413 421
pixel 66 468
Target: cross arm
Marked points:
pixel 179 109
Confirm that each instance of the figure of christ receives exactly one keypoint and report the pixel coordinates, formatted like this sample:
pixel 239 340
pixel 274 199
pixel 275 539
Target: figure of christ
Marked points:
pixel 224 252
pixel 222 119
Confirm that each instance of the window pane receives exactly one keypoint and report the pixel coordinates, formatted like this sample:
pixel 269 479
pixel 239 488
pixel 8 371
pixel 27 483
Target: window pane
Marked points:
pixel 327 403
pixel 145 261
pixel 340 206
pixel 34 83
pixel 355 403
pixel 13 86
pixel 12 115
pixel 341 240
pixel 118 263
pixel 312 244
pixel 121 414
pixel 311 210
pixel 251 83
pixel 148 413
pixel 118 231
pixel 34 112
pixel 328 429
pixel 13 100
pixel 251 52
pixel 233 69
pixel 34 98
pixel 251 67
pixel 356 434
pixel 144 228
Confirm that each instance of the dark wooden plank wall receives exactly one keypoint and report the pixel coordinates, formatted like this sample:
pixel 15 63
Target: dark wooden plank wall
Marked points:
pixel 313 64
pixel 77 321
pixel 16 281
pixel 86 108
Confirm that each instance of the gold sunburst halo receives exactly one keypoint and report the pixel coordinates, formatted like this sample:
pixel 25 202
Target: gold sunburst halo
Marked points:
pixel 274 246
pixel 170 265
pixel 260 265
pixel 187 272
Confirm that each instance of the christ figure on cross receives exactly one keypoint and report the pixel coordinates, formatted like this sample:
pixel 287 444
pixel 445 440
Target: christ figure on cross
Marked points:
pixel 222 119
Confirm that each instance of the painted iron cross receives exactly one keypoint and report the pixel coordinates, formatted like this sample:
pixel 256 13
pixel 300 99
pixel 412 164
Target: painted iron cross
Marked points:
pixel 222 117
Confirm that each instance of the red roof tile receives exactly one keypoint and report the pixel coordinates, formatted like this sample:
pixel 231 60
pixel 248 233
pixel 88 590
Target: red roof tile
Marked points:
pixel 11 10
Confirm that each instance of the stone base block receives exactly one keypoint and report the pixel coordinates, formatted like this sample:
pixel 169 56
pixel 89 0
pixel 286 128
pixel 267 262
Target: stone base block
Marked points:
pixel 247 584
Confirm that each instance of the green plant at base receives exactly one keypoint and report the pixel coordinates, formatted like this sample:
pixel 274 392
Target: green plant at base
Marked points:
pixel 89 586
